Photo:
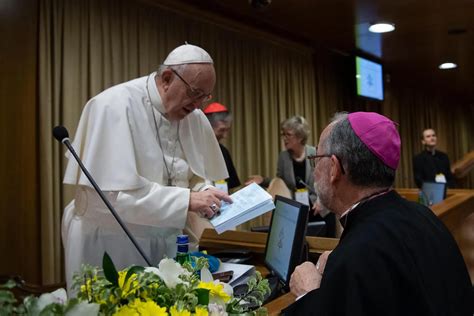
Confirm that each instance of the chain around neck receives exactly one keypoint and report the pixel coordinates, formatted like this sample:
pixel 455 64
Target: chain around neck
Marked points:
pixel 169 170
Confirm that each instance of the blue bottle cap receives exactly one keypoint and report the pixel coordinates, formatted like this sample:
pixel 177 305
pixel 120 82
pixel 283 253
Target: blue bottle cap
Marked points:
pixel 182 239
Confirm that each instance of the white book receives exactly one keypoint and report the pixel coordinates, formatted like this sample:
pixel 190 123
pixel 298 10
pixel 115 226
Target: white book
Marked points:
pixel 248 203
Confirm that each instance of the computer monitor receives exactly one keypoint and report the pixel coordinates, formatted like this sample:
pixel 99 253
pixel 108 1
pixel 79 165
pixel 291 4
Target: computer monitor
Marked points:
pixel 433 192
pixel 285 241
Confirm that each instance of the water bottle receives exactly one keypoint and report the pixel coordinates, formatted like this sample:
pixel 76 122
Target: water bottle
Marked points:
pixel 182 255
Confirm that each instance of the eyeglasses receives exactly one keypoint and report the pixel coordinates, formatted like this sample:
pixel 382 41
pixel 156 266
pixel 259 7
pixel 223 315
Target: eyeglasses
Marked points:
pixel 286 135
pixel 312 161
pixel 194 94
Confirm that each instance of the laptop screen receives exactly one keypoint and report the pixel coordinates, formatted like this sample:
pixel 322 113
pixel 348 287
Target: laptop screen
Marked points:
pixel 286 237
pixel 433 192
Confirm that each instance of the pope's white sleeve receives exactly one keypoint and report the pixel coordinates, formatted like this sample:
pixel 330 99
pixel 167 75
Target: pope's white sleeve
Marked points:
pixel 198 184
pixel 154 205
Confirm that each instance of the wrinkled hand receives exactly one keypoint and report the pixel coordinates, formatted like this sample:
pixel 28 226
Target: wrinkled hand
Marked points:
pixel 258 179
pixel 321 264
pixel 316 208
pixel 203 202
pixel 304 279
pixel 307 276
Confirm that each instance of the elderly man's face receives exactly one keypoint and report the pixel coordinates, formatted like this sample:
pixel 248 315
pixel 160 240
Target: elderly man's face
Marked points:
pixel 188 90
pixel 322 184
pixel 221 130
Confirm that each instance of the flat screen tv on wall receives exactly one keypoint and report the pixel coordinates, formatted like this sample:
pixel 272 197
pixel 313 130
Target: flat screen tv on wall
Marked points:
pixel 369 77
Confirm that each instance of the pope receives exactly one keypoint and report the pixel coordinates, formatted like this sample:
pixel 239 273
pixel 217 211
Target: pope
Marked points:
pixel 153 153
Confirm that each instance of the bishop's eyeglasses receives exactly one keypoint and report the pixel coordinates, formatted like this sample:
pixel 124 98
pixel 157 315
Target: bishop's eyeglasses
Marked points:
pixel 313 162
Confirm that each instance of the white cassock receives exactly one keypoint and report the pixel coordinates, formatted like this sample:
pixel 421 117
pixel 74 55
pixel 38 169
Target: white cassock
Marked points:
pixel 117 139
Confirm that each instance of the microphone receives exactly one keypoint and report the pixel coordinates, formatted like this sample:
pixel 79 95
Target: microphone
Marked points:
pixel 62 135
pixel 307 186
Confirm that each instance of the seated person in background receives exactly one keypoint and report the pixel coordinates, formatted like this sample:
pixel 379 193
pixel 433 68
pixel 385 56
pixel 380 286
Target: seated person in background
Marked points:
pixel 221 121
pixel 394 257
pixel 294 166
pixel 432 165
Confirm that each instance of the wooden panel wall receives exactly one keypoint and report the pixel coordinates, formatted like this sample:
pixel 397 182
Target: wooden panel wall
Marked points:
pixel 19 212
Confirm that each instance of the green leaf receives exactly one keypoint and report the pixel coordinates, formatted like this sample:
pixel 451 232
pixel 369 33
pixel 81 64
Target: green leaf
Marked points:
pixel 6 297
pixel 10 284
pixel 133 270
pixel 110 272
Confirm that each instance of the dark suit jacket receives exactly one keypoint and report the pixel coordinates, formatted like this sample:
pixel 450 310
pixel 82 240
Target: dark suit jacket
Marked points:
pixel 426 166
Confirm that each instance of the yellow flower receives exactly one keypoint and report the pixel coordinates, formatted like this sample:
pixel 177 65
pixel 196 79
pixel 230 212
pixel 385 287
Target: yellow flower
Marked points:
pixel 216 290
pixel 129 287
pixel 86 288
pixel 113 299
pixel 175 312
pixel 200 311
pixel 137 307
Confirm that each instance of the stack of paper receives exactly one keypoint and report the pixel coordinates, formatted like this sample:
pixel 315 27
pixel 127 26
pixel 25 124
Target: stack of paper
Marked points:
pixel 248 203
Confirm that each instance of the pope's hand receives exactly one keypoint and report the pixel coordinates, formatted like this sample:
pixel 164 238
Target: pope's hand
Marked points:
pixel 208 202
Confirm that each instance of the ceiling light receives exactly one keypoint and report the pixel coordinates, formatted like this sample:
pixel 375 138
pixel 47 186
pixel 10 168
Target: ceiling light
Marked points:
pixel 381 27
pixel 447 66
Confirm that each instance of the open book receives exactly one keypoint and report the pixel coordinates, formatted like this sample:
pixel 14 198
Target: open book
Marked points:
pixel 249 202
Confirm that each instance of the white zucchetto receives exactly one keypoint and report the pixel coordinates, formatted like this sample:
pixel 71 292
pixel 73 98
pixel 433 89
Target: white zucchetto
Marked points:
pixel 188 54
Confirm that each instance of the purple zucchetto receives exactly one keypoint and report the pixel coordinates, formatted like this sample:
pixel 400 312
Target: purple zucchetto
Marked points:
pixel 379 134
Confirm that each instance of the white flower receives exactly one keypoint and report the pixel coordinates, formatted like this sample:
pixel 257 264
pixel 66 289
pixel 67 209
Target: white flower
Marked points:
pixel 59 296
pixel 216 310
pixel 206 275
pixel 84 309
pixel 169 271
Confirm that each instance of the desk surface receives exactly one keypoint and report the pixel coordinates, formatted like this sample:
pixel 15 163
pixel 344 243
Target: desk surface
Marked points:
pixel 280 303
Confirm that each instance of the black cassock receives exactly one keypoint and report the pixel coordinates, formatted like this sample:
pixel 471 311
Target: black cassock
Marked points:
pixel 233 180
pixel 395 257
pixel 426 166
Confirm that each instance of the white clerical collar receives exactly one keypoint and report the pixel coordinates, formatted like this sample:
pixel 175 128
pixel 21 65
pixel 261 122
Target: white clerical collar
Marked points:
pixel 154 94
pixel 363 200
pixel 350 209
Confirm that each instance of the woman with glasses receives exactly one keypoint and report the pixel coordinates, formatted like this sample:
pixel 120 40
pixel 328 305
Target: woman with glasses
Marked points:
pixel 295 169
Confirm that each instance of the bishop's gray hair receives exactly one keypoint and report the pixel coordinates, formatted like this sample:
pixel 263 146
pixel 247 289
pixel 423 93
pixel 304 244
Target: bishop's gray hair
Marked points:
pixel 362 166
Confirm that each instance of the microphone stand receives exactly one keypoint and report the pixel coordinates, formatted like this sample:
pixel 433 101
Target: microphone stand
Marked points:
pixel 66 142
pixel 307 186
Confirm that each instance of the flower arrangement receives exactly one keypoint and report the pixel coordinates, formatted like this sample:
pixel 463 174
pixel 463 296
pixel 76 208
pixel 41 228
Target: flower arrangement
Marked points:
pixel 170 289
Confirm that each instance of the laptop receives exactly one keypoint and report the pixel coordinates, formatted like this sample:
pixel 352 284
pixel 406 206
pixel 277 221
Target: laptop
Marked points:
pixel 285 242
pixel 433 192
